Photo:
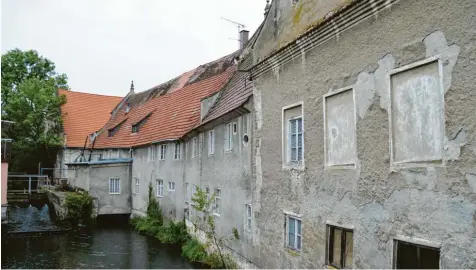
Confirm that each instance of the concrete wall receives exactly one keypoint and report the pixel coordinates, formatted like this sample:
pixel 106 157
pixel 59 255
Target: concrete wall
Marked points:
pixel 380 200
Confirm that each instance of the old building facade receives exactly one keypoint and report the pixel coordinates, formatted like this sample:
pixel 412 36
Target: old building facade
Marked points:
pixel 341 135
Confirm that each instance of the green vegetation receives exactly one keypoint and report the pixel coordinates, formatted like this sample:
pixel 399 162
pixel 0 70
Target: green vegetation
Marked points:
pixel 79 206
pixel 176 232
pixel 30 99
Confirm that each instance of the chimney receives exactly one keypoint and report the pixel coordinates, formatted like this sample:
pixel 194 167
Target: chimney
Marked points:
pixel 132 87
pixel 243 38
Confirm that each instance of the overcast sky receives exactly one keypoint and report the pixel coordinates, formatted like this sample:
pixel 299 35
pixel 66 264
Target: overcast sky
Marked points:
pixel 104 44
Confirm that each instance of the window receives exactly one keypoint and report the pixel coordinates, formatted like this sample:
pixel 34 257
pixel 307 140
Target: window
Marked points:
pixel 413 256
pixel 340 247
pixel 114 186
pixel 171 186
pixel 177 151
pixel 136 127
pixel 217 202
pixel 111 132
pixel 228 137
pixel 248 215
pixel 417 125
pixel 151 153
pixel 295 140
pixel 160 188
pixel 211 142
pixel 163 151
pixel 339 129
pixel 194 147
pixel 293 136
pixel 294 237
pixel 136 188
pixel 235 128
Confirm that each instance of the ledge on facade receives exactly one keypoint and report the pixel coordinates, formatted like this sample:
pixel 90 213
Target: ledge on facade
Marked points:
pixel 105 161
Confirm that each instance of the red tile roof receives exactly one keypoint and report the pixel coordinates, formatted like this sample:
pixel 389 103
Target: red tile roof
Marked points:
pixel 84 114
pixel 172 115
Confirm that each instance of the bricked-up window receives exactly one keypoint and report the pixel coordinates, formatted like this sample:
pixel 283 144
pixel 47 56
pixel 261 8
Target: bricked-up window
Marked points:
pixel 340 245
pixel 194 146
pixel 413 256
pixel 163 151
pixel 293 233
pixel 177 151
pixel 228 137
pixel 136 188
pixel 293 136
pixel 114 186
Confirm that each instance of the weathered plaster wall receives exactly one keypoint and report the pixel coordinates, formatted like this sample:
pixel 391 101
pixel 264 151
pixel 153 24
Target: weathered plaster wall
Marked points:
pixel 99 176
pixel 432 202
pixel 287 19
pixel 172 202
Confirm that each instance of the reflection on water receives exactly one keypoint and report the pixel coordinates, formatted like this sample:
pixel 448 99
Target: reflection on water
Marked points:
pixel 109 245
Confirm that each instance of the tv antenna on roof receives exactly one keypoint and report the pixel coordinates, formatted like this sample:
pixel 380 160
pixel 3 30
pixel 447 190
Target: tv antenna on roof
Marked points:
pixel 240 25
pixel 240 28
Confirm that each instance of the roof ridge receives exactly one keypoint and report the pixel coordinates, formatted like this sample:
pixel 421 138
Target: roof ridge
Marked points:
pixel 94 94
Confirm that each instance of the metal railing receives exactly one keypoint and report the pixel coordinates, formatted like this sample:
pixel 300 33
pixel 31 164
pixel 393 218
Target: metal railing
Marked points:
pixel 27 183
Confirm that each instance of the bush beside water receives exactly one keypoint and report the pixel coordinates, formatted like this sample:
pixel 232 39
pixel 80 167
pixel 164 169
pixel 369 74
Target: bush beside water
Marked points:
pixel 176 233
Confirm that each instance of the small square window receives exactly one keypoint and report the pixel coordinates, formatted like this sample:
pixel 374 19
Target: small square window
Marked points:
pixel 413 256
pixel 160 188
pixel 114 186
pixel 294 234
pixel 340 247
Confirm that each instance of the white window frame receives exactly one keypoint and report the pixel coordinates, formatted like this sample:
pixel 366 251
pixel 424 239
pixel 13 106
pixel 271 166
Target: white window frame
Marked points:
pixel 217 197
pixel 229 137
pixel 290 147
pixel 326 157
pixel 171 186
pixel 285 154
pixel 248 216
pixel 194 146
pixel 177 151
pixel 296 221
pixel 160 188
pixel 151 152
pixel 112 185
pixel 136 185
pixel 396 165
pixel 211 142
pixel 162 151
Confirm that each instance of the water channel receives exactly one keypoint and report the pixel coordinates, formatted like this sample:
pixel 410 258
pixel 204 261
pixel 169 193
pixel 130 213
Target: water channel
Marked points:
pixel 112 243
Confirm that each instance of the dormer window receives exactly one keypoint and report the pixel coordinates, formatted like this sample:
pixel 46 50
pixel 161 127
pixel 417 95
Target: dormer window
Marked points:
pixel 136 127
pixel 128 108
pixel 111 132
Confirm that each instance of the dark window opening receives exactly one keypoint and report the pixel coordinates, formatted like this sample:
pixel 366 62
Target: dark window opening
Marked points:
pixel 234 128
pixel 136 127
pixel 111 132
pixel 413 256
pixel 340 247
